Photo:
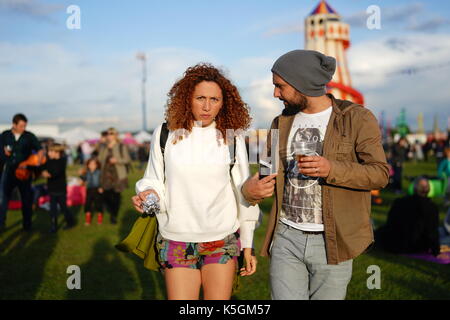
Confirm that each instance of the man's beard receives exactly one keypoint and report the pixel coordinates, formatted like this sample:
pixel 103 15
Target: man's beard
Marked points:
pixel 294 107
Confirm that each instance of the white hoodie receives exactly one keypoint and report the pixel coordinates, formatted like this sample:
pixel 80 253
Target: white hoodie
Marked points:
pixel 199 201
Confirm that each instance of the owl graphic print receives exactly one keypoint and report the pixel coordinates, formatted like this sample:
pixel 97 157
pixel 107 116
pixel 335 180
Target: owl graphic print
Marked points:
pixel 302 197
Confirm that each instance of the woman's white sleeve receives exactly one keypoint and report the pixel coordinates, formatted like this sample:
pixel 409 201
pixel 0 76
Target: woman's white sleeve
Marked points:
pixel 154 174
pixel 248 214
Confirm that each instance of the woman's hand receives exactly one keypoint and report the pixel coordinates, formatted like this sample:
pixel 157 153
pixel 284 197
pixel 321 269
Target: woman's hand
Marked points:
pixel 138 199
pixel 250 263
pixel 112 160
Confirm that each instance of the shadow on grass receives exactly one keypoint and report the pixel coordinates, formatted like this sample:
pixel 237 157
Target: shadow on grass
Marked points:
pixel 104 276
pixel 19 279
pixel 151 282
pixel 427 279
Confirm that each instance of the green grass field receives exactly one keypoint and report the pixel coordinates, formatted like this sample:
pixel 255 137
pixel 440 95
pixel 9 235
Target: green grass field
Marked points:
pixel 34 265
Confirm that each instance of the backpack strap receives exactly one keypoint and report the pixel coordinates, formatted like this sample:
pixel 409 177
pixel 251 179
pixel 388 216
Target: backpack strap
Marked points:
pixel 162 144
pixel 232 150
pixel 163 137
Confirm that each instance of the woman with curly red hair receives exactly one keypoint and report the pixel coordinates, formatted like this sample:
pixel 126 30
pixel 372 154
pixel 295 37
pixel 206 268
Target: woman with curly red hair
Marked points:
pixel 204 221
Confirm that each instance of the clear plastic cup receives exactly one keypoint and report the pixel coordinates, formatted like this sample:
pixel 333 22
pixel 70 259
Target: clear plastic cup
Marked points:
pixel 304 149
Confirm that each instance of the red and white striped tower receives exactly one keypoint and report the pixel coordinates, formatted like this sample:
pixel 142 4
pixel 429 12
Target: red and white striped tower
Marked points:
pixel 326 33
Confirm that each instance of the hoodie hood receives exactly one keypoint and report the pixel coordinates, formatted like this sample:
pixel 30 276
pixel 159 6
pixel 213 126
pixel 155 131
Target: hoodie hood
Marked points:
pixel 341 106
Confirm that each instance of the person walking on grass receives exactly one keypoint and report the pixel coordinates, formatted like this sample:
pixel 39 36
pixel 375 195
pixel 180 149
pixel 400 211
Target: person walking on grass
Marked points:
pixel 331 157
pixel 204 220
pixel 16 145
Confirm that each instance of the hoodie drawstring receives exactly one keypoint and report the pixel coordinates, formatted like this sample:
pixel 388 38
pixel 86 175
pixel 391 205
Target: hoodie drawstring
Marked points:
pixel 343 125
pixel 340 126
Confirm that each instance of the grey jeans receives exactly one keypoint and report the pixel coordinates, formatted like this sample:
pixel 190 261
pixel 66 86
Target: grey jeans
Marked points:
pixel 299 269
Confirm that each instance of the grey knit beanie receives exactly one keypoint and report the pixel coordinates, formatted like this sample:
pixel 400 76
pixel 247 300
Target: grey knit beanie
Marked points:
pixel 307 71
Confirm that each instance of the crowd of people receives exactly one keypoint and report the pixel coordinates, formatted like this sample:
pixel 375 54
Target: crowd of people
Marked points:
pixel 209 201
pixel 87 149
pixel 412 224
pixel 104 173
pixel 402 151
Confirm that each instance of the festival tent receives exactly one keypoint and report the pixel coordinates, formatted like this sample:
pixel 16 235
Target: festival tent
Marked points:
pixel 127 138
pixel 42 131
pixel 77 135
pixel 143 136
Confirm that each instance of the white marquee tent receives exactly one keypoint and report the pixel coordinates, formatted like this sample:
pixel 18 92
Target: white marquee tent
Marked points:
pixel 77 135
pixel 142 136
pixel 40 130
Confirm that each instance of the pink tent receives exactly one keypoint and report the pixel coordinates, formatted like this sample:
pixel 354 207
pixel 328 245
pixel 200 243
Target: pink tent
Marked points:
pixel 128 138
pixel 93 141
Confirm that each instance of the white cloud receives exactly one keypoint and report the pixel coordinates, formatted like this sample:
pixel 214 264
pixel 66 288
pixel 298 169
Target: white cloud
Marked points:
pixel 390 15
pixel 55 86
pixel 286 29
pixel 254 80
pixel 51 84
pixel 412 72
pixel 261 96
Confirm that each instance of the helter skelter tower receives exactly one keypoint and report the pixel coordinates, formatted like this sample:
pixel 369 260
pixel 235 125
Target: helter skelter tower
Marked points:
pixel 326 33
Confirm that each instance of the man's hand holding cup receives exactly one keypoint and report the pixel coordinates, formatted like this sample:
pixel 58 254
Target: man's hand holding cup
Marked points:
pixel 309 162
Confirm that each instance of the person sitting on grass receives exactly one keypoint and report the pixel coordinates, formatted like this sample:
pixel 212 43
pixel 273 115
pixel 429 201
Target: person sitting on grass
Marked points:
pixel 55 172
pixel 94 202
pixel 412 223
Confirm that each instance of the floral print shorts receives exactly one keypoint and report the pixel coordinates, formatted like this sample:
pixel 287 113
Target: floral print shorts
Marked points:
pixel 176 254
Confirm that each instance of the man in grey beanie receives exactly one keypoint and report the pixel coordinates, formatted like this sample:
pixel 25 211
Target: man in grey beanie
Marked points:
pixel 331 157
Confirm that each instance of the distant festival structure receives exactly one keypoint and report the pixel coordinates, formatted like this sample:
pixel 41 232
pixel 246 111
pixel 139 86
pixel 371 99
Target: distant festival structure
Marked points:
pixel 326 33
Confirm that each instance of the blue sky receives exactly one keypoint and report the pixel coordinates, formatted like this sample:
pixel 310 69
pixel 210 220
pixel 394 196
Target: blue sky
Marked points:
pixel 91 77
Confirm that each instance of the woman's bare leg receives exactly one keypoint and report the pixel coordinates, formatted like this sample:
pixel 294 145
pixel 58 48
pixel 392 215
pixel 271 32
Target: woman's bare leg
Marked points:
pixel 182 283
pixel 217 280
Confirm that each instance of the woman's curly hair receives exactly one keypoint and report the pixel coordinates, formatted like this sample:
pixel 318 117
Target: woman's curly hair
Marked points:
pixel 234 113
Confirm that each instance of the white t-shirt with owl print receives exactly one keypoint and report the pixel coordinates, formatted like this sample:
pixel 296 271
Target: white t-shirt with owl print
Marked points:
pixel 302 198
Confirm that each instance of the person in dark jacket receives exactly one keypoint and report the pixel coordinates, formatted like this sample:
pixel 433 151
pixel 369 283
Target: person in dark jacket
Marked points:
pixel 55 172
pixel 16 145
pixel 413 223
pixel 399 155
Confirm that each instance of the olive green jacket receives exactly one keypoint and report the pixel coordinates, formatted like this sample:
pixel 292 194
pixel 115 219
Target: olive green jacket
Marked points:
pixel 353 146
pixel 120 152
